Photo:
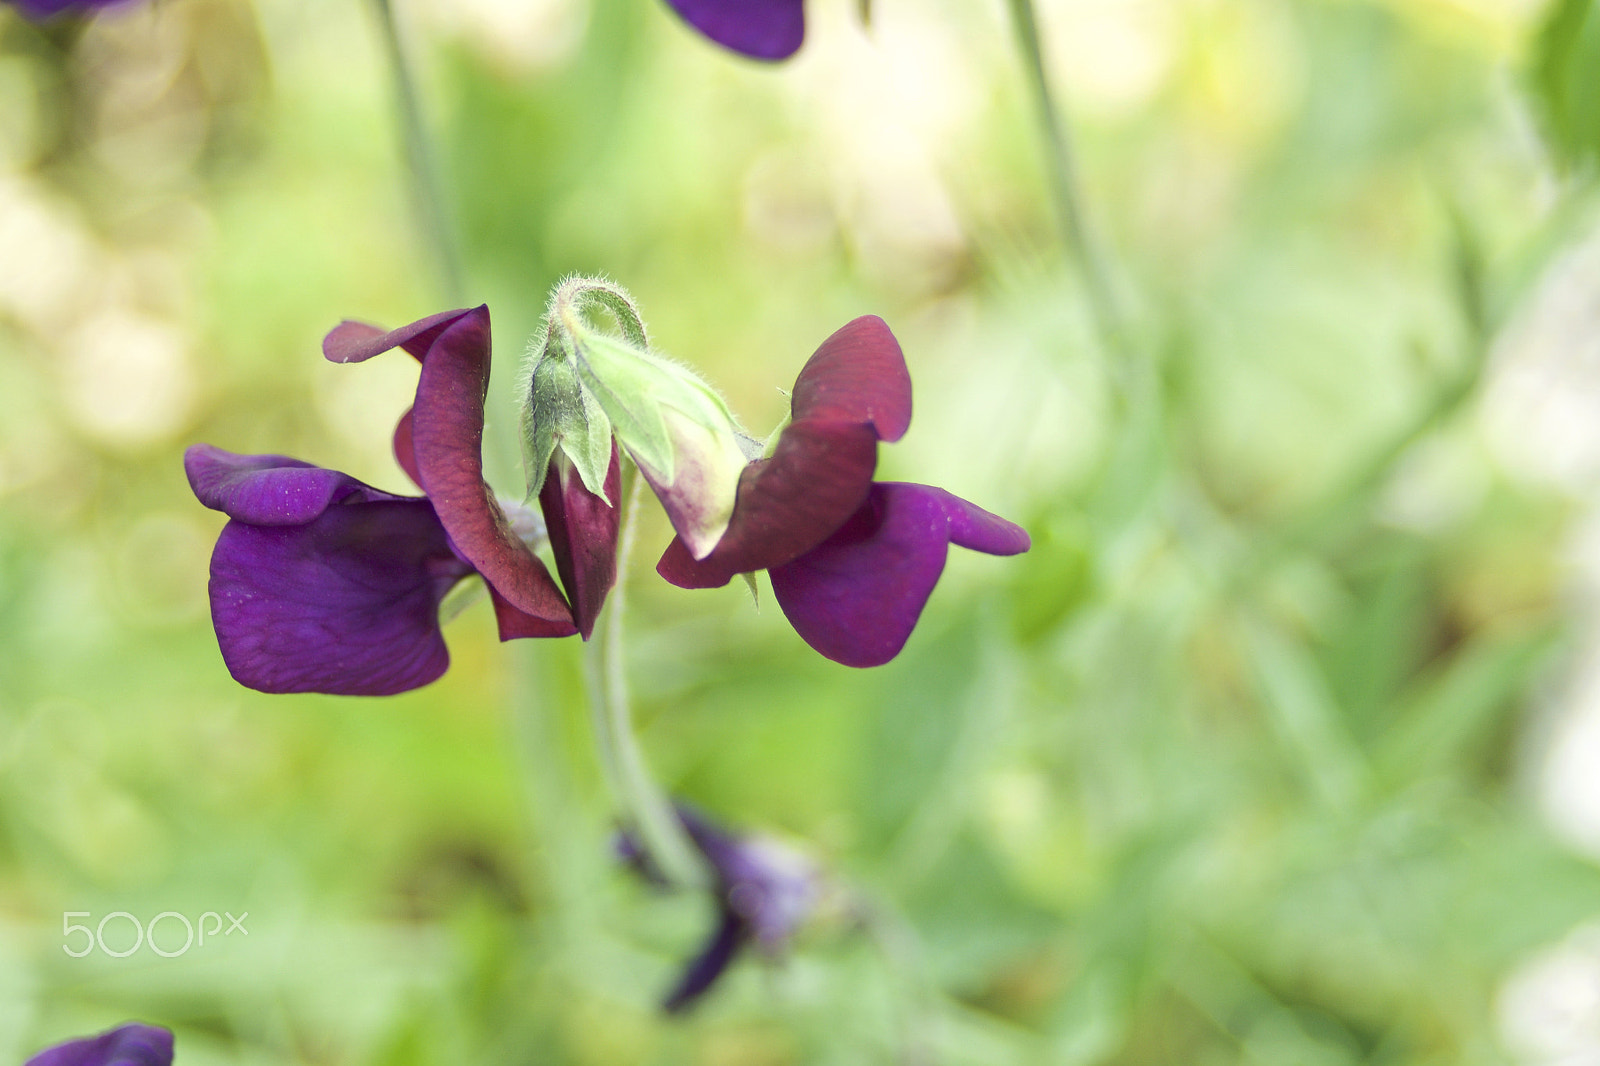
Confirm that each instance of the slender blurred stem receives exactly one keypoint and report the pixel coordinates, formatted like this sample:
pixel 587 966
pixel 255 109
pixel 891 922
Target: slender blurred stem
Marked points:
pixel 1065 187
pixel 644 806
pixel 895 940
pixel 421 161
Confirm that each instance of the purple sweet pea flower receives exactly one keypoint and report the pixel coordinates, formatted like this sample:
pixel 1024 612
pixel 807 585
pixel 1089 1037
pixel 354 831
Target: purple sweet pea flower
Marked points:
pixel 852 562
pixel 764 892
pixel 320 583
pixel 128 1045
pixel 760 29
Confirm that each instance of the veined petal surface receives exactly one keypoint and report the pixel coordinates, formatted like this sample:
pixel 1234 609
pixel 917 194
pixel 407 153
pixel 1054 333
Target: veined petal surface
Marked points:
pixel 270 490
pixel 858 374
pixel 346 604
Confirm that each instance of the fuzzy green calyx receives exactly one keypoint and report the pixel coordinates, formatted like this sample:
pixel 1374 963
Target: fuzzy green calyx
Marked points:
pixel 586 386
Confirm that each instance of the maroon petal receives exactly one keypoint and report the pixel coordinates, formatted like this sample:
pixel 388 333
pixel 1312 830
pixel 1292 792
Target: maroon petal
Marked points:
pixel 856 597
pixel 127 1045
pixel 404 451
pixel 345 604
pixel 854 392
pixel 858 375
pixel 515 624
pixel 356 342
pixel 269 490
pixel 787 505
pixel 583 535
pixel 760 29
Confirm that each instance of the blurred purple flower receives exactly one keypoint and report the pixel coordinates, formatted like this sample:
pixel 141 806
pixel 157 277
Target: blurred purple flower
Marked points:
pixel 320 583
pixel 760 29
pixel 127 1045
pixel 43 9
pixel 764 892
pixel 853 562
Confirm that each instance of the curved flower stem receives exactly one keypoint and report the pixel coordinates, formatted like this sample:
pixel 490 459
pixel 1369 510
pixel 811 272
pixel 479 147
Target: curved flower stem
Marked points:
pixel 644 806
pixel 421 160
pixel 1065 187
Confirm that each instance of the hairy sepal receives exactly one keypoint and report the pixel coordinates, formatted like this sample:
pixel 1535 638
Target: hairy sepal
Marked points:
pixel 561 413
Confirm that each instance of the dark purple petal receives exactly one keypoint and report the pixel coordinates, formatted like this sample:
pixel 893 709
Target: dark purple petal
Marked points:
pixel 270 490
pixel 857 375
pixel 445 433
pixel 345 604
pixel 760 29
pixel 711 962
pixel 786 505
pixel 127 1045
pixel 856 597
pixel 356 342
pixel 583 535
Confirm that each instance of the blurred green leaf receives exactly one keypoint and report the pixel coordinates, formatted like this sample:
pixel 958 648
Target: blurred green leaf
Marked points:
pixel 1451 719
pixel 1566 79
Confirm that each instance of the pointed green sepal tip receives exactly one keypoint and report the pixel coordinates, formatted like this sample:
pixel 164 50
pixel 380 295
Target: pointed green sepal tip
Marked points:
pixel 559 413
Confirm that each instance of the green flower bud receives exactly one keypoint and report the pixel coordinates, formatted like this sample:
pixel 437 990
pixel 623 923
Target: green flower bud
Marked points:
pixel 586 386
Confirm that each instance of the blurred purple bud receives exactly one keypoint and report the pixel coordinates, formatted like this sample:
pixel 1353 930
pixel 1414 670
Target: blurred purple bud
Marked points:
pixel 127 1045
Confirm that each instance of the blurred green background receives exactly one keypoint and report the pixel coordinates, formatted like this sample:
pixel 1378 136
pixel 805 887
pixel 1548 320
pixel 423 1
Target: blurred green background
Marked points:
pixel 1282 746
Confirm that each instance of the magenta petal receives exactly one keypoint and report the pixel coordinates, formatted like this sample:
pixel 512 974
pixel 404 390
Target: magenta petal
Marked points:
pixel 127 1045
pixel 583 535
pixel 356 342
pixel 857 596
pixel 786 505
pixel 346 604
pixel 447 441
pixel 857 375
pixel 760 29
pixel 269 490
pixel 974 528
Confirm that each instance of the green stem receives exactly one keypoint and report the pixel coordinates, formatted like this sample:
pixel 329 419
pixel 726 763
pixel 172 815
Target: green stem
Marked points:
pixel 426 190
pixel 645 807
pixel 1065 188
